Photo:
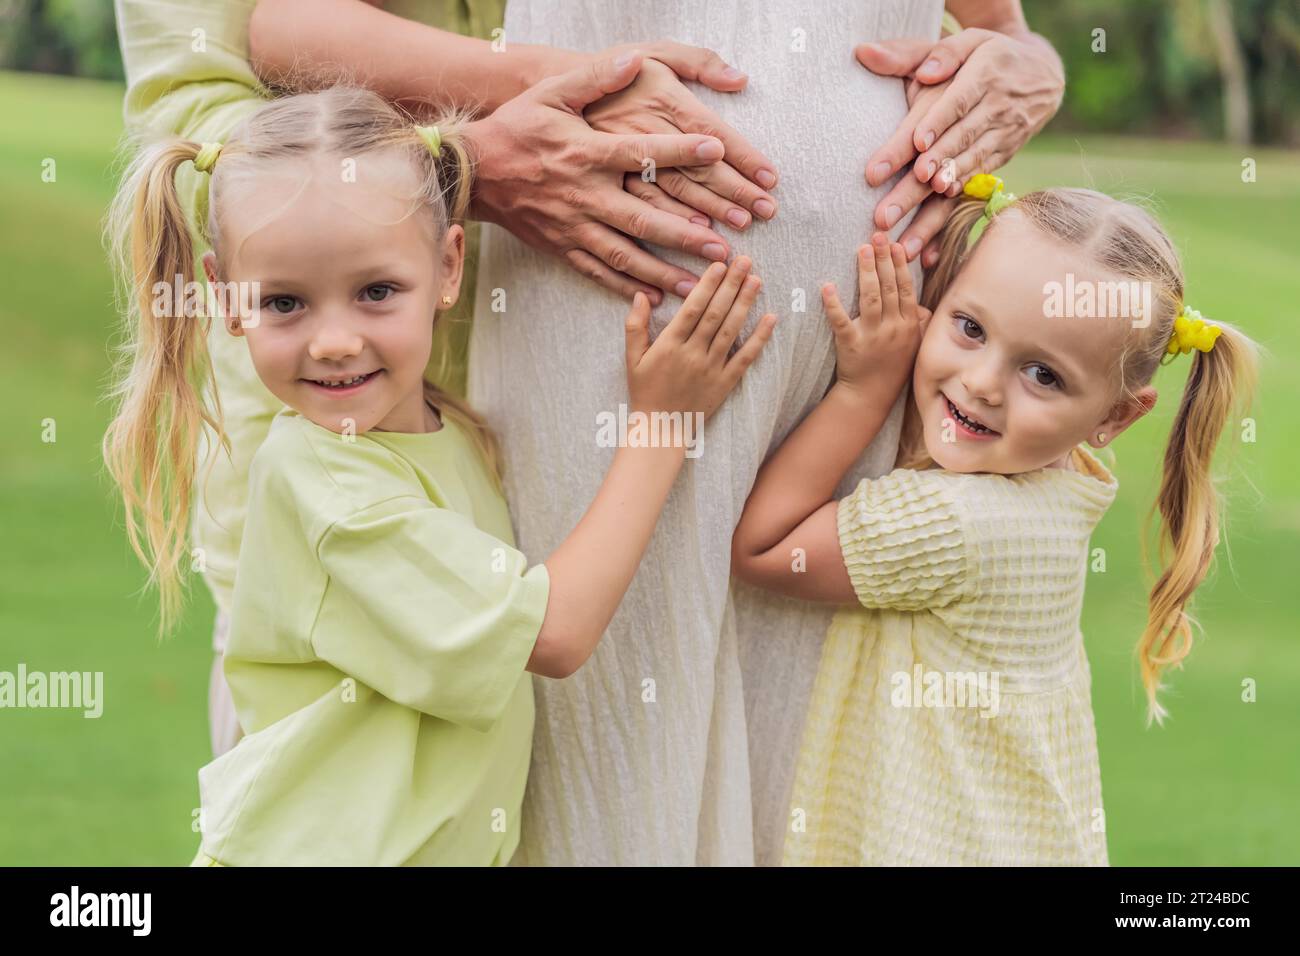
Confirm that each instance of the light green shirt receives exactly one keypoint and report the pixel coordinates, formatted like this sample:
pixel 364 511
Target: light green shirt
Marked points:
pixel 382 621
pixel 188 74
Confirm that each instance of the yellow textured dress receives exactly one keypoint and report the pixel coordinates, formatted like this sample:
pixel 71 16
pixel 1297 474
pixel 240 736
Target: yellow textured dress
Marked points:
pixel 951 720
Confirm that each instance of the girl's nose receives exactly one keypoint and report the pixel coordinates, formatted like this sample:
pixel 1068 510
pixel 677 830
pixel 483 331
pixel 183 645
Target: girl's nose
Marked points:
pixel 983 383
pixel 333 341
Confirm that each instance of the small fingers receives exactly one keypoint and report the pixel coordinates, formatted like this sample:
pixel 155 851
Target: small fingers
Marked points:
pixel 735 320
pixel 880 247
pixel 868 284
pixel 836 314
pixel 682 324
pixel 721 302
pixel 903 279
pixel 637 329
pixel 747 353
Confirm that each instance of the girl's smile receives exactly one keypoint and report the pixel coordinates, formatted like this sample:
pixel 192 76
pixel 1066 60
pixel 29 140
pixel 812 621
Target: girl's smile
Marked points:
pixel 967 425
pixel 340 386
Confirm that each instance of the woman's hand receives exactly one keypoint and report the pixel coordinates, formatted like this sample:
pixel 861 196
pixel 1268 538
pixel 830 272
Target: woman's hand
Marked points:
pixel 687 369
pixel 875 352
pixel 975 98
pixel 733 191
pixel 546 176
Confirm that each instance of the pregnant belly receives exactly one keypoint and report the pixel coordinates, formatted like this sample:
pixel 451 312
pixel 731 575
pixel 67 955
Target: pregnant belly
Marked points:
pixel 809 107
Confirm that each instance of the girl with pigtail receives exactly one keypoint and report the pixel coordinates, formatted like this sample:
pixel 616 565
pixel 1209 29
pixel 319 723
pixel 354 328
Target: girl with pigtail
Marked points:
pixel 951 721
pixel 383 624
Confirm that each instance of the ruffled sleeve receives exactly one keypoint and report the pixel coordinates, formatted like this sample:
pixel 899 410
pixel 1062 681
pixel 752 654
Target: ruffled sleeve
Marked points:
pixel 902 542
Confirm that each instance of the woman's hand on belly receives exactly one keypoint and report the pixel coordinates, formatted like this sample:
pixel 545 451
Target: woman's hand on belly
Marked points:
pixel 658 102
pixel 545 175
pixel 974 99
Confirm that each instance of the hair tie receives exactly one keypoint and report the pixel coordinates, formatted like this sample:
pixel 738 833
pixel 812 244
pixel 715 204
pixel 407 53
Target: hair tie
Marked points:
pixel 206 157
pixel 989 188
pixel 1192 331
pixel 432 138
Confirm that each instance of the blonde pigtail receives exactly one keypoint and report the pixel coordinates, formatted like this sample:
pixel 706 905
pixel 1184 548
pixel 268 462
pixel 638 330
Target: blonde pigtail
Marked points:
pixel 1220 384
pixel 152 442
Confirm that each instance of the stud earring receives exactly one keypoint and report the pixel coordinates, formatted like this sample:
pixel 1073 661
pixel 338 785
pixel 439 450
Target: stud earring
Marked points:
pixel 446 300
pixel 1101 438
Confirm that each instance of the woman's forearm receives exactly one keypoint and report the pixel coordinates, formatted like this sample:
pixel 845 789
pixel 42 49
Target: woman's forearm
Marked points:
pixel 804 472
pixel 592 568
pixel 303 44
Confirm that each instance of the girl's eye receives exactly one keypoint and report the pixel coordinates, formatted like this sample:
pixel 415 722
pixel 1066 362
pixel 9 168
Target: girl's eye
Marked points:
pixel 281 304
pixel 1044 376
pixel 378 292
pixel 969 327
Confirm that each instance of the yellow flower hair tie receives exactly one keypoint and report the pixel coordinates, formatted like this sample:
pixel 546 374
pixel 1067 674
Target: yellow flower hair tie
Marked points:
pixel 432 138
pixel 989 188
pixel 1192 331
pixel 206 157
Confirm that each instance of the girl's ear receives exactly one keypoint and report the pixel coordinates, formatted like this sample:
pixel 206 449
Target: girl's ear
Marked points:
pixel 1123 414
pixel 453 266
pixel 232 323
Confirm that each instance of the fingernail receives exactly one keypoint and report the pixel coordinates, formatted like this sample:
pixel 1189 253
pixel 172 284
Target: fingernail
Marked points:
pixel 929 139
pixel 684 287
pixel 709 149
pixel 891 216
pixel 700 221
pixel 624 60
pixel 930 166
pixel 731 73
pixel 766 178
pixel 715 250
pixel 880 172
pixel 912 247
pixel 931 66
pixel 737 218
pixel 765 209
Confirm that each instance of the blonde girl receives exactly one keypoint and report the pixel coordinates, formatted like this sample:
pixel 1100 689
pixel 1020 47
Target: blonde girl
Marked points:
pixel 951 721
pixel 383 625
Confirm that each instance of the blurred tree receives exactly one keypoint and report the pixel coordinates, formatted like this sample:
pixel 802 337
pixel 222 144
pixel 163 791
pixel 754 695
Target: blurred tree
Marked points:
pixel 60 36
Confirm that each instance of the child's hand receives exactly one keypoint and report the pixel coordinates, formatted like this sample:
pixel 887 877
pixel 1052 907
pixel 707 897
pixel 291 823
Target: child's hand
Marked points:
pixel 878 348
pixel 687 369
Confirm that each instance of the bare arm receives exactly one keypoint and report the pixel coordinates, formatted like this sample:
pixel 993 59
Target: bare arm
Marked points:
pixel 686 371
pixel 790 510
pixel 305 43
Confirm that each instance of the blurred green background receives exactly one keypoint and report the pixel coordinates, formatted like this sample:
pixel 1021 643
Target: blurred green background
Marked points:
pixel 1220 784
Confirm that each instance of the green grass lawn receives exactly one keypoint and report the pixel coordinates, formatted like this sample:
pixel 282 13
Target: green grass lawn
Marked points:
pixel 1219 784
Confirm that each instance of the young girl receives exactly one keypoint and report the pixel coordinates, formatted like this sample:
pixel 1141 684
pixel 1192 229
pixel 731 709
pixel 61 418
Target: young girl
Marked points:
pixel 382 621
pixel 951 720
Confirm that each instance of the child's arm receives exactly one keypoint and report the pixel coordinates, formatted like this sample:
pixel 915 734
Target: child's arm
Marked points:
pixel 685 371
pixel 787 539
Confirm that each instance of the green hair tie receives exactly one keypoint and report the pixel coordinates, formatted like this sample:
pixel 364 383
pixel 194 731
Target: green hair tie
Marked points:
pixel 989 188
pixel 432 138
pixel 206 157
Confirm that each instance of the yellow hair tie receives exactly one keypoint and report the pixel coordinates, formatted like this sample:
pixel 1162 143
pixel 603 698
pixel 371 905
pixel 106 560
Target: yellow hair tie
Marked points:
pixel 1191 331
pixel 987 187
pixel 432 138
pixel 207 157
